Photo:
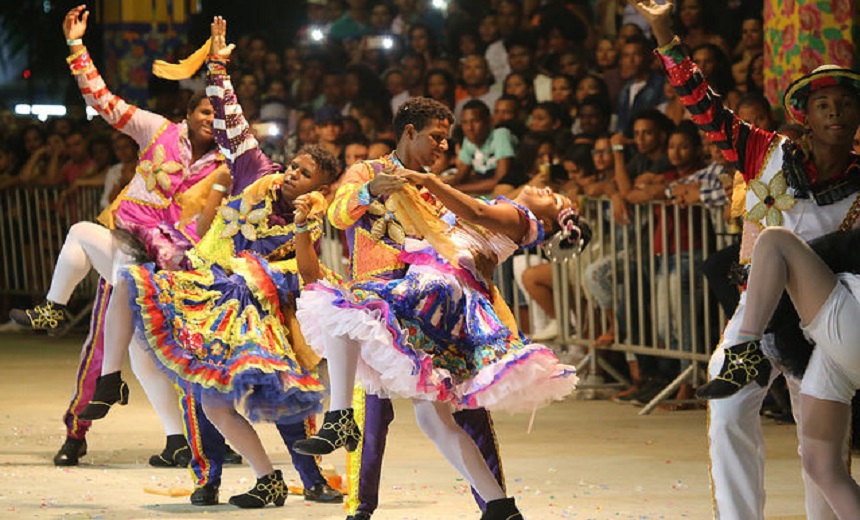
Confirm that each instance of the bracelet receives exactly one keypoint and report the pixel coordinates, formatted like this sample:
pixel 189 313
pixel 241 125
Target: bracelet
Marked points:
pixel 301 228
pixel 617 147
pixel 75 55
pixel 76 41
pixel 219 187
pixel 217 64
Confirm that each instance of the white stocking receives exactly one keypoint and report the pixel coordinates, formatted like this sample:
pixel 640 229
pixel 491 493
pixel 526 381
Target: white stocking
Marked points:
pixel 825 426
pixel 88 245
pixel 782 261
pixel 119 327
pixel 158 387
pixel 437 423
pixel 239 432
pixel 342 358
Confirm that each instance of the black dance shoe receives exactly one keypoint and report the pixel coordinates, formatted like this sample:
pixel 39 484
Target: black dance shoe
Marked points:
pixel 48 316
pixel 743 364
pixel 359 515
pixel 230 456
pixel 338 430
pixel 502 509
pixel 110 389
pixel 270 489
pixel 323 493
pixel 205 495
pixel 176 454
pixel 72 450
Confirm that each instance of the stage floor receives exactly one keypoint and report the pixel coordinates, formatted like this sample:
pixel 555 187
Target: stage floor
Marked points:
pixel 583 460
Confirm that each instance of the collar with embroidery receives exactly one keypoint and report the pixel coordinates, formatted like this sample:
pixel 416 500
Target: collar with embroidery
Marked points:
pixel 801 176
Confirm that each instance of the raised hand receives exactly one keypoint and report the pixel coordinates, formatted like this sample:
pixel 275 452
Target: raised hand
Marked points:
pixel 218 31
pixel 75 23
pixel 303 206
pixel 658 16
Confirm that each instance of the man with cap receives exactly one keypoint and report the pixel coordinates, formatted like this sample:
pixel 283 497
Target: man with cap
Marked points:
pixel 809 188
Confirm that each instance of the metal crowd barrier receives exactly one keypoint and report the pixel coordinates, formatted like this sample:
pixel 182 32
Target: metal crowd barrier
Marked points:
pixel 657 313
pixel 34 225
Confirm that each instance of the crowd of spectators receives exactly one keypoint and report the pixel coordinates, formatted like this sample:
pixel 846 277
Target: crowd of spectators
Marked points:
pixel 565 94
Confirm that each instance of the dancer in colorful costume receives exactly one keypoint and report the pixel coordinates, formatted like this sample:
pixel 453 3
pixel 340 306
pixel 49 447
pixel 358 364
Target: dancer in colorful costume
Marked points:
pixel 223 325
pixel 809 188
pixel 140 223
pixel 439 334
pixel 377 258
pixel 246 161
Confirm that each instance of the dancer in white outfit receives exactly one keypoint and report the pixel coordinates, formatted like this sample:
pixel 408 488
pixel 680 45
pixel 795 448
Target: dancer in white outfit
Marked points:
pixel 809 188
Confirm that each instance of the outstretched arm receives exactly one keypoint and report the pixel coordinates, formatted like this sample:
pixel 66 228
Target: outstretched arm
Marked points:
pixel 500 218
pixel 232 132
pixel 140 125
pixel 741 143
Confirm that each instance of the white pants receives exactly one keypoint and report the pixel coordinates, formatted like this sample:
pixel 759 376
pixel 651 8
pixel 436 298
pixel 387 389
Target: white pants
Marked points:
pixel 737 449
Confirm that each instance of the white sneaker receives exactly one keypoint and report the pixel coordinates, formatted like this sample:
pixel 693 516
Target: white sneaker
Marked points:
pixel 548 332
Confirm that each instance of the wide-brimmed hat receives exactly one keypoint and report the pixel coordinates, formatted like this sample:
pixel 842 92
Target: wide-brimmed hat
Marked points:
pixel 798 92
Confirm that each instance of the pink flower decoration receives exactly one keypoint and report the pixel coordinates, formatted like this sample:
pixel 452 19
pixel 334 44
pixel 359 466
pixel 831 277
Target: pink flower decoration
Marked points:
pixel 809 60
pixel 842 10
pixel 789 37
pixel 810 18
pixel 840 52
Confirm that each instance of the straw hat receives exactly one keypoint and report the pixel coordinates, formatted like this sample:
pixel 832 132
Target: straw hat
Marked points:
pixel 798 92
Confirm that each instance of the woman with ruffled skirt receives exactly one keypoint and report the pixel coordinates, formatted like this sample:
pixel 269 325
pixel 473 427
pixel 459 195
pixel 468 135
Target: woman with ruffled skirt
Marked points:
pixel 441 335
pixel 226 325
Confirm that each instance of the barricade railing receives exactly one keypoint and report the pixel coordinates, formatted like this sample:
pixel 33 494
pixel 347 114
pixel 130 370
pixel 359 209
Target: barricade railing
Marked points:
pixel 650 274
pixel 665 310
pixel 35 222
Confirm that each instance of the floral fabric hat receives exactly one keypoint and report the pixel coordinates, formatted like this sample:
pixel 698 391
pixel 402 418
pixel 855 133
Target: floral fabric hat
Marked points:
pixel 798 92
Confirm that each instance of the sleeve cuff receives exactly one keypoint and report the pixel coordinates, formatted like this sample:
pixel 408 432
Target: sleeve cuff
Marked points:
pixel 216 65
pixel 364 197
pixel 672 53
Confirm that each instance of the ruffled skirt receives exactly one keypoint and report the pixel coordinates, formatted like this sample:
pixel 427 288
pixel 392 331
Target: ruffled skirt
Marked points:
pixel 434 335
pixel 222 330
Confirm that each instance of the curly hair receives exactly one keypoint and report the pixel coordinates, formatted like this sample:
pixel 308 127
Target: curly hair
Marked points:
pixel 326 161
pixel 420 112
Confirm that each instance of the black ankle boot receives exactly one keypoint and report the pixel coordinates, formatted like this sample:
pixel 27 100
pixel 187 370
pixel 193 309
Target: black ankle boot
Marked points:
pixel 230 456
pixel 110 389
pixel 743 364
pixel 176 454
pixel 48 316
pixel 72 450
pixel 270 489
pixel 205 495
pixel 502 509
pixel 323 493
pixel 338 429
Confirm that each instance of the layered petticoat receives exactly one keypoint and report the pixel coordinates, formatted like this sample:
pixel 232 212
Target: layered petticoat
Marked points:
pixel 434 335
pixel 221 328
